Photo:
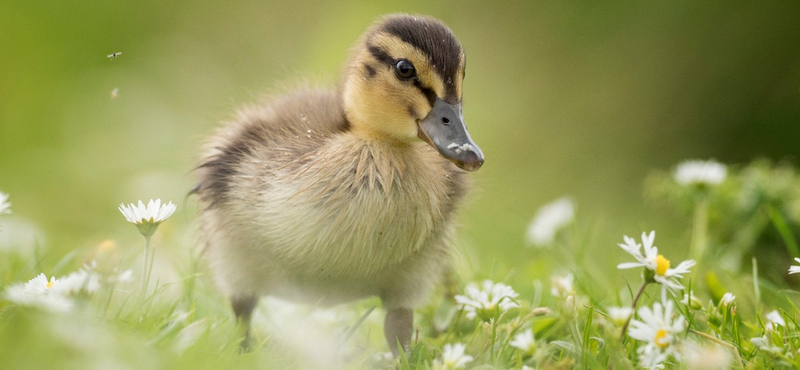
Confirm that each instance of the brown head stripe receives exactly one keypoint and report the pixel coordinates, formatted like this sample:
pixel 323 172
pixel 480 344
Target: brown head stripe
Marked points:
pixel 432 38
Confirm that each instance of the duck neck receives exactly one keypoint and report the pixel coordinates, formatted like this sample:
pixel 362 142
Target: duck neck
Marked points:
pixel 370 135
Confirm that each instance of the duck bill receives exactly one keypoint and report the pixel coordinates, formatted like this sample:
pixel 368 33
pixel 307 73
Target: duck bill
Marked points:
pixel 444 129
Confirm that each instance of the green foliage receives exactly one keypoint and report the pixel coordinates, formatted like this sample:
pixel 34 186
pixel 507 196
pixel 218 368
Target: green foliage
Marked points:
pixel 564 97
pixel 183 322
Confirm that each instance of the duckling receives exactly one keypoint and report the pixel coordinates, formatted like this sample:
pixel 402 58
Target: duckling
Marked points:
pixel 327 196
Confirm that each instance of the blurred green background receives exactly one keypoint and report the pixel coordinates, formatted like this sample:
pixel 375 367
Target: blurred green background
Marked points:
pixel 565 98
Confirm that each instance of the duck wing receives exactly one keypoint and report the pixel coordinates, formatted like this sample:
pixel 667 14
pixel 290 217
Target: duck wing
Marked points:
pixel 269 135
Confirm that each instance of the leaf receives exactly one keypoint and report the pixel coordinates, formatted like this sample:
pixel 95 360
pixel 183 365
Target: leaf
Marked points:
pixel 418 356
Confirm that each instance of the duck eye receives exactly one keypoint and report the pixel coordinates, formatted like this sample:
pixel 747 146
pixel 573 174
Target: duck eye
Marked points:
pixel 404 69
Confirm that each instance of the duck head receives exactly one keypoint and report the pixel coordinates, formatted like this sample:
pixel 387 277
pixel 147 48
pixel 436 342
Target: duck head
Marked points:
pixel 403 84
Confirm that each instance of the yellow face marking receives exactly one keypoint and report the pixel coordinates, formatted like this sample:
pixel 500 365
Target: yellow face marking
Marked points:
pixel 398 49
pixel 378 103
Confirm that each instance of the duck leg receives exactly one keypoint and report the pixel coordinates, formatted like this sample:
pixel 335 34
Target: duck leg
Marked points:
pixel 398 326
pixel 243 307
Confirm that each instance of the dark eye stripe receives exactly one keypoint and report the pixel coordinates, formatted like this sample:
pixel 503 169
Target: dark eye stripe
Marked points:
pixel 427 91
pixel 370 71
pixel 381 55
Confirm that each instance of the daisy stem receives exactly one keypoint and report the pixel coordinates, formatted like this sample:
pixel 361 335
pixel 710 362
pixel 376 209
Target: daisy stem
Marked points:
pixel 700 229
pixel 494 335
pixel 145 269
pixel 633 306
pixel 150 267
pixel 108 301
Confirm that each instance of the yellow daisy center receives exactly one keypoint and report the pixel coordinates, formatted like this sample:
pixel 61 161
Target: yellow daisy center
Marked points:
pixel 50 284
pixel 662 265
pixel 660 335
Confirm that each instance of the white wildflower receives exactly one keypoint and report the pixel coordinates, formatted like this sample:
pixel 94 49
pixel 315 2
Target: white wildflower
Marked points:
pixel 524 341
pixel 562 286
pixel 765 345
pixel 5 206
pixel 620 315
pixel 38 292
pixel 657 264
pixel 692 301
pixel 707 357
pixel 774 319
pixel 39 284
pixel 87 279
pixel 382 357
pixel 79 281
pixel 795 269
pixel 700 173
pixel 727 299
pixel 453 357
pixel 190 334
pixel 551 218
pixel 147 218
pixel 659 331
pixel 121 277
pixel 487 301
pixel 540 311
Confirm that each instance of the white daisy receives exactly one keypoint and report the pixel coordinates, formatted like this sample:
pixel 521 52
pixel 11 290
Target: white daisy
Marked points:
pixel 87 279
pixel 77 282
pixel 5 206
pixel 551 218
pixel 38 292
pixel 487 301
pixel 795 269
pixel 524 341
pixel 147 218
pixel 39 284
pixel 657 264
pixel 659 331
pixel 453 357
pixel 700 173
pixel 562 286
pixel 620 315
pixel 727 299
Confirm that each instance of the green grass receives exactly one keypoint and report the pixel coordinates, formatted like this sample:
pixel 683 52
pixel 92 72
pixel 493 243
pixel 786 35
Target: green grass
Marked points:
pixel 564 98
pixel 183 322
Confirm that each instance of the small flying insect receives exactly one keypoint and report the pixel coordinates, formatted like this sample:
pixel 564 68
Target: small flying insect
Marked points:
pixel 114 55
pixel 114 93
